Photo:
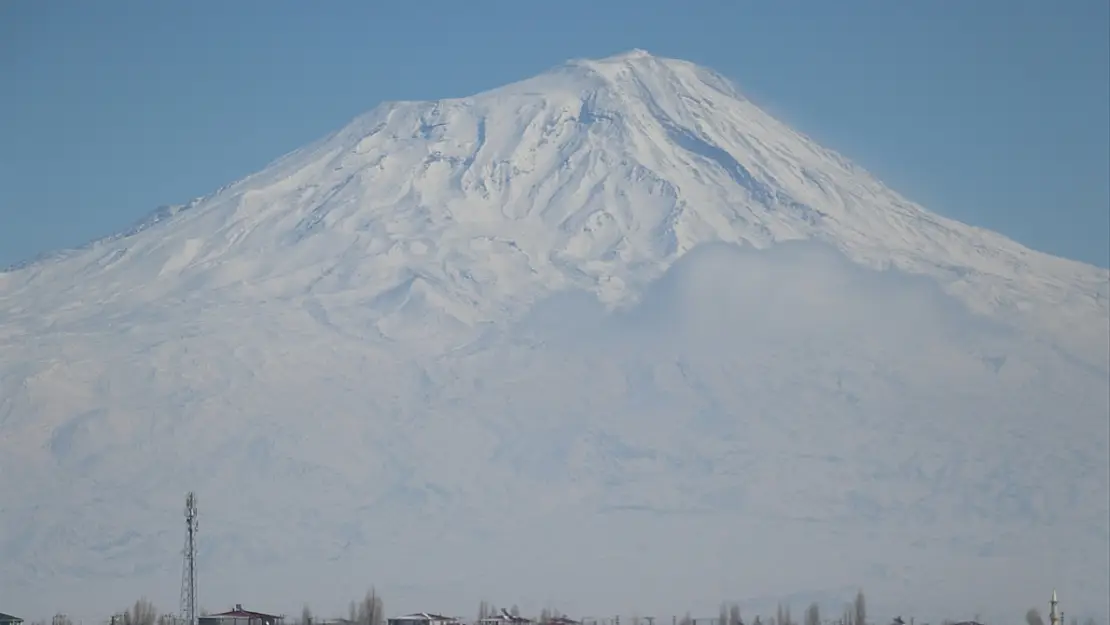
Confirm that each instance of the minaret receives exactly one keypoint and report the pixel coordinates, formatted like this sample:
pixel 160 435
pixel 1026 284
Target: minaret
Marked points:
pixel 1053 616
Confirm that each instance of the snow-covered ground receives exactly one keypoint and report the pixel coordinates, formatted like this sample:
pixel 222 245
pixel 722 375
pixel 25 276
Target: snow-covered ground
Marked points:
pixel 612 321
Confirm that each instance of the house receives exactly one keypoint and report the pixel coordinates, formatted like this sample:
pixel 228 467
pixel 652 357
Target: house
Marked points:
pixel 8 619
pixel 424 618
pixel 504 618
pixel 239 616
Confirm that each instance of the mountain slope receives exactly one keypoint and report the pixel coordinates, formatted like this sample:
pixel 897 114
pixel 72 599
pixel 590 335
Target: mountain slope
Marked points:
pixel 500 327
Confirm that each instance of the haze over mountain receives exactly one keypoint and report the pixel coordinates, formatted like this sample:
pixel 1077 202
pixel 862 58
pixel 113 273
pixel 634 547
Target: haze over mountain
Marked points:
pixel 609 338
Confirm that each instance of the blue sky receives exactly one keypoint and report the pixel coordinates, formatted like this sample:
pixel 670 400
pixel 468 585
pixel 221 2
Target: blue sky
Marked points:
pixel 994 112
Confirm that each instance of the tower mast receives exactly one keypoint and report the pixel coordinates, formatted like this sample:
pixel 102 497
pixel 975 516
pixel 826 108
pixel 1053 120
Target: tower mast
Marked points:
pixel 189 565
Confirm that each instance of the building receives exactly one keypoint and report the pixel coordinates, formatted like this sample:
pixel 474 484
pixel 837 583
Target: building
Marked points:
pixel 239 616
pixel 504 618
pixel 8 619
pixel 424 618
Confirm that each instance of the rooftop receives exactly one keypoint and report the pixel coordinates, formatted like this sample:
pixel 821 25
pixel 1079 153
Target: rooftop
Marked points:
pixel 239 612
pixel 505 617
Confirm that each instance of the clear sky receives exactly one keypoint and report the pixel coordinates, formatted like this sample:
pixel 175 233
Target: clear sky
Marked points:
pixel 994 112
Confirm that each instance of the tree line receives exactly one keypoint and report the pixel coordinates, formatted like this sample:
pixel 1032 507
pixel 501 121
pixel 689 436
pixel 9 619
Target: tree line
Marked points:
pixel 370 610
pixel 854 613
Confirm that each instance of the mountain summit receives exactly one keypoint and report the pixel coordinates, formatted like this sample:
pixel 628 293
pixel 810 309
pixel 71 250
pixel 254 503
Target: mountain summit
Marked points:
pixel 610 318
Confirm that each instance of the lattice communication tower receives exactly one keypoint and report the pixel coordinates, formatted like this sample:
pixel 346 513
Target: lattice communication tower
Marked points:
pixel 189 565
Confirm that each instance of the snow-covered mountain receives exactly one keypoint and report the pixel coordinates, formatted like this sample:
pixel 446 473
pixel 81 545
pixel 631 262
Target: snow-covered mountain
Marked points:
pixel 613 321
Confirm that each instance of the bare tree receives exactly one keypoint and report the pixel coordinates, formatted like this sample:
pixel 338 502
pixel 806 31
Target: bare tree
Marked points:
pixel 1033 617
pixel 813 614
pixel 142 613
pixel 734 615
pixel 369 611
pixel 860 609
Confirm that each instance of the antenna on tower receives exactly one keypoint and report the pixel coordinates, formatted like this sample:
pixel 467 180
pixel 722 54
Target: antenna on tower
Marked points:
pixel 189 565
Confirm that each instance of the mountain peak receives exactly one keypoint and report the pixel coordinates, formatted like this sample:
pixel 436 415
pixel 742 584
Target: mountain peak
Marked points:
pixel 626 75
pixel 628 56
pixel 634 53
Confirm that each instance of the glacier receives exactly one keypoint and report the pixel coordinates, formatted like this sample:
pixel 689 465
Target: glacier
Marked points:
pixel 608 338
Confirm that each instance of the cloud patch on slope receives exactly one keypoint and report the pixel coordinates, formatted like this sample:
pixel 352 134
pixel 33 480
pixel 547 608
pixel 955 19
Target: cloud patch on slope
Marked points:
pixel 720 292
